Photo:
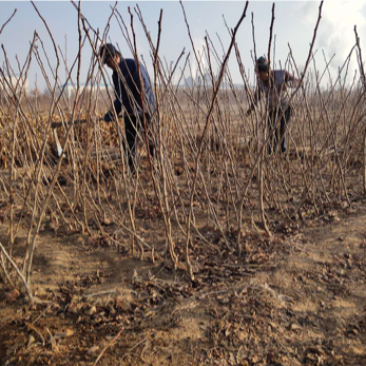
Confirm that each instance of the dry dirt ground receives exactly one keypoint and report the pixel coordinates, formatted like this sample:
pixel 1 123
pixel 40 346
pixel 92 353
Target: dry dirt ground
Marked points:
pixel 296 299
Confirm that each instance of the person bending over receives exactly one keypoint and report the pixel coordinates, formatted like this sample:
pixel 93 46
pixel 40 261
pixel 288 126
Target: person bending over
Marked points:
pixel 126 83
pixel 274 84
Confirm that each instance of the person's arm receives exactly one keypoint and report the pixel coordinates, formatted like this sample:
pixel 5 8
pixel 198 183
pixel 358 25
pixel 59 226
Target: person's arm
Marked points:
pixel 109 117
pixel 256 99
pixel 291 80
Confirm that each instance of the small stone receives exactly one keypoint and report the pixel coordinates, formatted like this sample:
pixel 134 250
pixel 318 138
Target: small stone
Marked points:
pixel 92 310
pixel 92 350
pixel 31 341
pixel 295 326
pixel 12 296
pixel 106 221
pixel 353 331
pixel 69 332
pixel 65 334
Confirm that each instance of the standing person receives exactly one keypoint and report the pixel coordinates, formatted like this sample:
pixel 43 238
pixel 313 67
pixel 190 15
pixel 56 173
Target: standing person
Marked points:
pixel 126 83
pixel 274 83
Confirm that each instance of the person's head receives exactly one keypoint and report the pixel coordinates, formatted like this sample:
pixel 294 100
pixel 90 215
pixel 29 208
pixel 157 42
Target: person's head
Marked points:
pixel 261 68
pixel 109 56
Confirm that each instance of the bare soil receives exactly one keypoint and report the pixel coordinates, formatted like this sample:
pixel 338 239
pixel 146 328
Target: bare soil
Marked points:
pixel 295 299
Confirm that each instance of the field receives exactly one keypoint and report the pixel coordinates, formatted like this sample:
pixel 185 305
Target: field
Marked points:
pixel 214 253
pixel 298 299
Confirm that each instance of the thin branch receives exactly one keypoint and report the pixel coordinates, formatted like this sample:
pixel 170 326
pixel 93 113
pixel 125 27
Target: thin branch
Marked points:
pixel 11 17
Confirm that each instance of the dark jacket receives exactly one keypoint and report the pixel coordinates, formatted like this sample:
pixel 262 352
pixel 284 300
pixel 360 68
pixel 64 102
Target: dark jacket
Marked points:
pixel 127 90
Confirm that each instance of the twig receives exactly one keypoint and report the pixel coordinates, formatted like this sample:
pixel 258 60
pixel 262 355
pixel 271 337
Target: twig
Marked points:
pixel 101 293
pixel 363 78
pixel 11 17
pixel 107 346
pixel 28 290
pixel 208 119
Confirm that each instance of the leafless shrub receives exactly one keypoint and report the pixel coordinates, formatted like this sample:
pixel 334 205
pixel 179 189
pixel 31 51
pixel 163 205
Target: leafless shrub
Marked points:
pixel 211 168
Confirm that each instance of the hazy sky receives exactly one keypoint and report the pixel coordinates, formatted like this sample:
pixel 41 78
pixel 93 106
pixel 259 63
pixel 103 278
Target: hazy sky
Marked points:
pixel 294 24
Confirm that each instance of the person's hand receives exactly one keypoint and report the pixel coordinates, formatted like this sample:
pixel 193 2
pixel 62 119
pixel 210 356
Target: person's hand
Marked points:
pixel 108 117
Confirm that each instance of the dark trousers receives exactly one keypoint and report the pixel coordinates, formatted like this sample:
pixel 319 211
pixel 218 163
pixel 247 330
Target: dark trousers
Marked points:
pixel 134 124
pixel 273 116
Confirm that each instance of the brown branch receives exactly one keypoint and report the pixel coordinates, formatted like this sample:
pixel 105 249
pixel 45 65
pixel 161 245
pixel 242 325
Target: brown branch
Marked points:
pixel 27 288
pixel 11 17
pixel 270 40
pixel 208 120
pixel 363 78
pixel 107 346
pixel 253 34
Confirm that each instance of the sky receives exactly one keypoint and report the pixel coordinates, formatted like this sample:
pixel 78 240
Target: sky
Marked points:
pixel 294 24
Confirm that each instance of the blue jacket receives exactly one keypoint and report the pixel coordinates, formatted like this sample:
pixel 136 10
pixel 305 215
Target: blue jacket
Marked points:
pixel 127 90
